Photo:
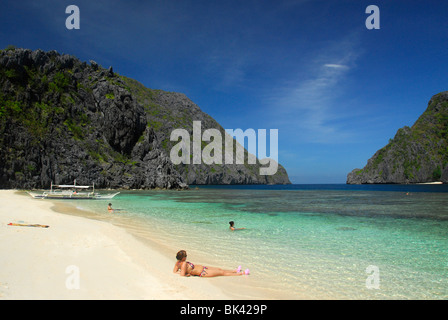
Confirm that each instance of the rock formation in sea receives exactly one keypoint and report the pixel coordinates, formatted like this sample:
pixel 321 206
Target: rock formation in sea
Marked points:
pixel 62 119
pixel 417 154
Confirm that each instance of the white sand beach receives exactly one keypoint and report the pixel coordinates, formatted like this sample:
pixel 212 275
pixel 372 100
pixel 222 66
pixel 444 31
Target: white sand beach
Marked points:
pixel 80 258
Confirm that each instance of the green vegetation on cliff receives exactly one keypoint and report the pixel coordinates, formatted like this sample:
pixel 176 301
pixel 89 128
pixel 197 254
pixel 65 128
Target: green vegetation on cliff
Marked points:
pixel 416 154
pixel 62 119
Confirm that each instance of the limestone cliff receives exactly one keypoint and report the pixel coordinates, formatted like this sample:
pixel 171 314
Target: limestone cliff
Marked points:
pixel 416 154
pixel 63 119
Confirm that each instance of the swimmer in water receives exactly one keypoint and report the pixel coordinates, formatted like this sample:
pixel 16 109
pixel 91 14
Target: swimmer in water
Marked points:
pixel 232 226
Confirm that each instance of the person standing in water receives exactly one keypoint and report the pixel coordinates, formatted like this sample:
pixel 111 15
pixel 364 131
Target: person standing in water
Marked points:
pixel 232 226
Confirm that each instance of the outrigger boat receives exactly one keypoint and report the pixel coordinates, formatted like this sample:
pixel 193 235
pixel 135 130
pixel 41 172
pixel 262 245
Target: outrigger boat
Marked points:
pixel 72 192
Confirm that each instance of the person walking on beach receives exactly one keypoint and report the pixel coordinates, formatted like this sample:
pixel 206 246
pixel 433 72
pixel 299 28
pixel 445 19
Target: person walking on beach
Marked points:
pixel 232 226
pixel 187 268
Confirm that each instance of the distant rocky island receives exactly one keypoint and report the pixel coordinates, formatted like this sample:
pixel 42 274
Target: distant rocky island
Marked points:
pixel 62 119
pixel 417 154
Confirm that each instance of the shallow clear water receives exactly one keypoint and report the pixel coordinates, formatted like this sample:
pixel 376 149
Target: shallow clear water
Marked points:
pixel 315 241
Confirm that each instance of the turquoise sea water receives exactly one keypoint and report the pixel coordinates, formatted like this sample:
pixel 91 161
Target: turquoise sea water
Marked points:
pixel 315 241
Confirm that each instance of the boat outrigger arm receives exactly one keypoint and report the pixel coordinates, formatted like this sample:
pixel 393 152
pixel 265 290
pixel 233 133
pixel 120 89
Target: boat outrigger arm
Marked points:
pixel 65 191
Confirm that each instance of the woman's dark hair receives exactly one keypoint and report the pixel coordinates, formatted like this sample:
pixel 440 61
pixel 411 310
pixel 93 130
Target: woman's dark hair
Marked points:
pixel 231 223
pixel 181 254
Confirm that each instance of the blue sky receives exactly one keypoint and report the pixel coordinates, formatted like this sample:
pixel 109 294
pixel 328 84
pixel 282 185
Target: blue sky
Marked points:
pixel 336 91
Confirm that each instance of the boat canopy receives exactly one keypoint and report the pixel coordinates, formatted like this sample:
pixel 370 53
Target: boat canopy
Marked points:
pixel 72 186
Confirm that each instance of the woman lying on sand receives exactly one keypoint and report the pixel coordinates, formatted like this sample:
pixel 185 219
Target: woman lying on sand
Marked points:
pixel 189 269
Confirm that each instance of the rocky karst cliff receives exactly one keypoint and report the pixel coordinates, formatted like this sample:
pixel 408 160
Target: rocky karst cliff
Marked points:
pixel 171 110
pixel 62 119
pixel 417 154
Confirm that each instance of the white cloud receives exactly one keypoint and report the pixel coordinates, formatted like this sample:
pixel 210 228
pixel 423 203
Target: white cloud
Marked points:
pixel 336 66
pixel 309 106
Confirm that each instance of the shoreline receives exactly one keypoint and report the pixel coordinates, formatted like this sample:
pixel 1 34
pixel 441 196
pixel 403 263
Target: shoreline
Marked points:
pixel 84 258
pixel 241 288
pixel 131 256
pixel 431 183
